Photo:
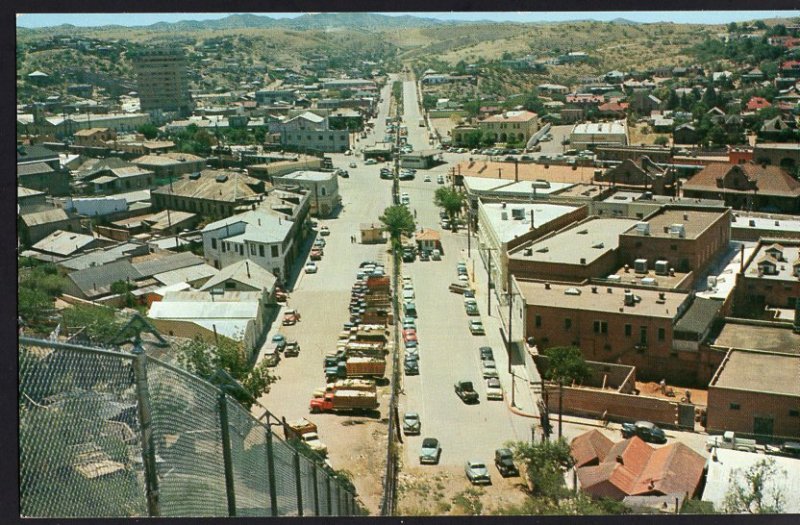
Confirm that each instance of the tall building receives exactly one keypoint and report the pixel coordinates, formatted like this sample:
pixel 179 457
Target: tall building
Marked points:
pixel 162 80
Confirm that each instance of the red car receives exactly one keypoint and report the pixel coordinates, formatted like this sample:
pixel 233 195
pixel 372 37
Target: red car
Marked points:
pixel 290 317
pixel 409 335
pixel 316 255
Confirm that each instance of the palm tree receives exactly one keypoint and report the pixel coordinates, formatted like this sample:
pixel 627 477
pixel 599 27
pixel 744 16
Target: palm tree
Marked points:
pixel 451 201
pixel 397 220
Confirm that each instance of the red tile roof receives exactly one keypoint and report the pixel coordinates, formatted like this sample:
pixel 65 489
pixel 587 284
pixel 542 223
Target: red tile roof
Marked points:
pixel 590 447
pixel 632 467
pixel 757 103
pixel 770 180
pixel 428 235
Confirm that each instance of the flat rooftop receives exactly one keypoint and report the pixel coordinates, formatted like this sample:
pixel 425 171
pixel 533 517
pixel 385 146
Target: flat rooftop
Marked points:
pixel 694 222
pixel 530 172
pixel 760 372
pixel 784 267
pixel 308 175
pixel 588 240
pixel 521 189
pixel 724 271
pixel 745 222
pixel 635 279
pixel 766 338
pixel 536 294
pixel 510 228
pixel 597 128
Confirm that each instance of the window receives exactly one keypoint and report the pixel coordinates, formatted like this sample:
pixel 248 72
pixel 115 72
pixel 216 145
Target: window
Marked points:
pixel 274 251
pixel 322 191
pixel 224 247
pixel 662 334
pixel 214 244
pixel 252 249
pixel 794 413
pixel 628 330
pixel 643 335
pixel 538 321
pixel 735 406
pixel 230 285
pixel 261 250
pixel 600 327
pixel 567 323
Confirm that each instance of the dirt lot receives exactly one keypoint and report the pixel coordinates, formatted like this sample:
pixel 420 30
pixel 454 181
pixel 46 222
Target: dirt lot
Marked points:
pixel 653 389
pixel 423 492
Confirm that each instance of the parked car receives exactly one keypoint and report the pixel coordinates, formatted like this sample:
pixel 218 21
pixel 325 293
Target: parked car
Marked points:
pixel 311 267
pixel 440 180
pixel 408 295
pixel 504 461
pixel 471 306
pixel 493 389
pixel 460 287
pixel 279 341
pixel 290 317
pixel 486 353
pixel 469 293
pixel 646 430
pixel 488 368
pixel 292 349
pixel 424 256
pixel 353 165
pixel 436 255
pixel 411 423
pixel 476 327
pixel 430 452
pixel 427 178
pixel 344 174
pixel 477 473
pixel 319 243
pixel 316 254
pixel 370 162
pixel 466 391
pixel 324 231
pixel 411 365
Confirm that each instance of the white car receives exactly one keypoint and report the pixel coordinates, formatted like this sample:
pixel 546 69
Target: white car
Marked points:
pixel 427 178
pixel 440 180
pixel 311 267
pixel 489 369
pixel 407 284
pixel 408 295
pixel 370 162
pixel 493 389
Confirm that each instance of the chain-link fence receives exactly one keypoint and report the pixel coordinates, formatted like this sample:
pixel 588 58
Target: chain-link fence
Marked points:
pixel 110 434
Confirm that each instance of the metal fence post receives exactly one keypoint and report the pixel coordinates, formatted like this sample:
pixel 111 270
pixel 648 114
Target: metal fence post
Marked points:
pixel 230 489
pixel 316 489
pixel 298 483
pixel 328 491
pixel 146 422
pixel 273 490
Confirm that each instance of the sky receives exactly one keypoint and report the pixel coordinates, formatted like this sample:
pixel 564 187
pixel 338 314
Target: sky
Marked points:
pixel 141 19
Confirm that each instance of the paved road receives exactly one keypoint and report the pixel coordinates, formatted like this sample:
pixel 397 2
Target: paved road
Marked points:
pixel 448 352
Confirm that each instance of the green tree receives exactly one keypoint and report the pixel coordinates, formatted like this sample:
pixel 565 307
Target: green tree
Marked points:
pixel 100 322
pixel 33 306
pixel 397 220
pixel 545 465
pixel 566 364
pixel 661 140
pixel 673 102
pixel 753 496
pixel 710 96
pixel 450 200
pixel 150 131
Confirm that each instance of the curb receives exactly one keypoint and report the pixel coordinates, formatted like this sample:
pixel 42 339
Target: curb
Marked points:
pixel 519 412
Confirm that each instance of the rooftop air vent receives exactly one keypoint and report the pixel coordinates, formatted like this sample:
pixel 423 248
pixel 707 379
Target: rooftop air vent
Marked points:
pixel 572 291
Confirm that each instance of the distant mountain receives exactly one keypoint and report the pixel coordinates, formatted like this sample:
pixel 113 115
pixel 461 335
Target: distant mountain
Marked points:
pixel 624 21
pixel 368 21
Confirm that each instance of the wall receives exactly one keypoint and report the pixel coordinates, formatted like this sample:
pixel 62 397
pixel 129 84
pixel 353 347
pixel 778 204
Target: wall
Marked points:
pixel 721 417
pixel 571 272
pixel 113 233
pixel 595 403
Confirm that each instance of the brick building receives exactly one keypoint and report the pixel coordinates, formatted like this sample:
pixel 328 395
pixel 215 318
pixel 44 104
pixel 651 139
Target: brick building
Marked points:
pixel 687 238
pixel 756 393
pixel 642 173
pixel 580 251
pixel 212 193
pixel 771 277
pixel 611 324
pixel 171 164
pixel 510 126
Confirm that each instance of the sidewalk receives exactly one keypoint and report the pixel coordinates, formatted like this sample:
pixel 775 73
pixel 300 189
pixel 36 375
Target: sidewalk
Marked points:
pixel 524 401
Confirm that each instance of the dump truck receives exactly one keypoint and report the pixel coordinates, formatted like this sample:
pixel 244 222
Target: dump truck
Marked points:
pixel 305 431
pixel 366 349
pixel 345 401
pixel 357 367
pixel 730 440
pixel 364 385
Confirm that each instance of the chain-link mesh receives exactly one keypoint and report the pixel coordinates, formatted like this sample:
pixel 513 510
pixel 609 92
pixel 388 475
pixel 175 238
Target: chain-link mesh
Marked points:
pixel 80 448
pixel 307 481
pixel 81 442
pixel 284 478
pixel 249 454
pixel 188 443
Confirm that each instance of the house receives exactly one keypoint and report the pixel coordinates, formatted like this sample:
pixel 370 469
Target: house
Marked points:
pixel 371 233
pixel 590 135
pixel 428 240
pixel 28 198
pixel 115 180
pixel 634 468
pixel 164 222
pixel 94 137
pixel 213 193
pixel 170 165
pixel 790 68
pixel 746 186
pixel 644 102
pixel 309 131
pixel 239 316
pixel 38 224
pixel 510 126
pixel 770 278
pixel 613 109
pixel 244 276
pixel 322 186
pixel 261 237
pixel 421 159
pixel 756 103
pixel 775 128
pixel 64 243
pixel 641 174
pixel 94 282
pixel 40 176
pixel 728 469
pixel 589 448
pixel 684 134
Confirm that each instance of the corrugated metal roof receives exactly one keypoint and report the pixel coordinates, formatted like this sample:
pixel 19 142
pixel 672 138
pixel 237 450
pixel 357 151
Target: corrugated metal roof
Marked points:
pixel 197 310
pixel 188 274
pixel 246 272
pixel 62 242
pixel 45 217
pixel 97 280
pixel 173 261
pixel 34 168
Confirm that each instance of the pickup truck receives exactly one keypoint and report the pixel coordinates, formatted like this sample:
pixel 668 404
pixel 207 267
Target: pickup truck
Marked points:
pixel 345 401
pixel 305 431
pixel 292 348
pixel 730 440
pixel 466 391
